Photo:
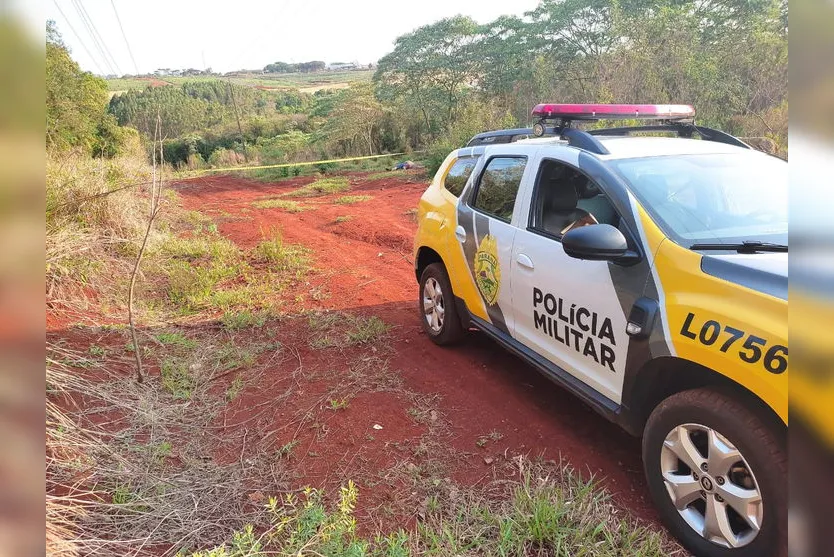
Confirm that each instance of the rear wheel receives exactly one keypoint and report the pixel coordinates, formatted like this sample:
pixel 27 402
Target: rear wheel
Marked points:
pixel 718 475
pixel 438 313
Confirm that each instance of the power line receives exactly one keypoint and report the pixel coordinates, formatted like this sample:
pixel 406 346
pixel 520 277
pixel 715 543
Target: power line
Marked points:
pixel 98 42
pixel 96 45
pixel 127 44
pixel 77 36
pixel 98 35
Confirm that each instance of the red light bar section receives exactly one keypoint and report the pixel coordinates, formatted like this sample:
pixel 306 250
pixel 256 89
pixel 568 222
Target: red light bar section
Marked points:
pixel 614 111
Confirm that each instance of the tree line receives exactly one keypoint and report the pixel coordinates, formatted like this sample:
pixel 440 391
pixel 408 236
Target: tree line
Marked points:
pixel 726 57
pixel 448 80
pixel 305 67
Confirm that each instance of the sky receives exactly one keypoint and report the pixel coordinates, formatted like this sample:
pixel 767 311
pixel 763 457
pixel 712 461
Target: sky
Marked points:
pixel 231 35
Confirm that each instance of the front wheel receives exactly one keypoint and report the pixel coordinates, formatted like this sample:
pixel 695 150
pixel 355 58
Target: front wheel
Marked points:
pixel 438 312
pixel 718 475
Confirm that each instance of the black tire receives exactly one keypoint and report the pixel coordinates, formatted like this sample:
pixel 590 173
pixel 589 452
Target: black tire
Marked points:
pixel 760 445
pixel 451 331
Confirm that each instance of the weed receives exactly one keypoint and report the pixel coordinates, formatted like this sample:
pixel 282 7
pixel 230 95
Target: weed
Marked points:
pixel 286 449
pixel 177 378
pixel 344 218
pixel 325 186
pixel 242 320
pixel 230 356
pixel 336 329
pixel 235 388
pixel 351 199
pixel 160 451
pixel 367 330
pixel 339 404
pixel 288 206
pixel 123 495
pixel 176 339
pixel 493 435
pixel 284 257
pixel 97 351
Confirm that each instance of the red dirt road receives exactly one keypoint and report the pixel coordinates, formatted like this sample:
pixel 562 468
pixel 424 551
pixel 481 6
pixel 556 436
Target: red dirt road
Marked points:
pixel 364 266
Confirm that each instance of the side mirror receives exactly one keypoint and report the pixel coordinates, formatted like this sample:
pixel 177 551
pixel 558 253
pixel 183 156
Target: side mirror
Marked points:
pixel 598 242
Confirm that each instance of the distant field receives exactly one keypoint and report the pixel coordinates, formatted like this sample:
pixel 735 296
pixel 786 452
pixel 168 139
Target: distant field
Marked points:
pixel 305 81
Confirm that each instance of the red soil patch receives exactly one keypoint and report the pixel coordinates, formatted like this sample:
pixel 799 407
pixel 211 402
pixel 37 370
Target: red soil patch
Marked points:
pixel 315 410
pixel 365 265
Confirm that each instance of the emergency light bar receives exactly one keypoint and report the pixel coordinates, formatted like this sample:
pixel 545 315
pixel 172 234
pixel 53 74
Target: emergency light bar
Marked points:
pixel 613 111
pixel 567 112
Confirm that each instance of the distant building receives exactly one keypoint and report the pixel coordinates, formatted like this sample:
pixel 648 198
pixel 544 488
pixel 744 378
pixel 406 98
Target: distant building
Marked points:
pixel 343 66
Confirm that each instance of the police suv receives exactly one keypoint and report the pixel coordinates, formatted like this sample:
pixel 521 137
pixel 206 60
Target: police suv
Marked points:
pixel 643 268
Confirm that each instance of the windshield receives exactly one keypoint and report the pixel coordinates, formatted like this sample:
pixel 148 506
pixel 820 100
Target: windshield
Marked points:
pixel 714 198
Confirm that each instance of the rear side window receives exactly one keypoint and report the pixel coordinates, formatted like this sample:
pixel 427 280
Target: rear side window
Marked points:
pixel 499 186
pixel 458 175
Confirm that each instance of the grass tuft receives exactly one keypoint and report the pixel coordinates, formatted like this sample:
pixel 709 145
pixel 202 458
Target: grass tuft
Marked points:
pixel 283 257
pixel 325 186
pixel 351 199
pixel 337 329
pixel 343 218
pixel 242 320
pixel 288 206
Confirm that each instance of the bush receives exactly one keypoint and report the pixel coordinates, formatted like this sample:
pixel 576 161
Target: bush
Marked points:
pixel 222 158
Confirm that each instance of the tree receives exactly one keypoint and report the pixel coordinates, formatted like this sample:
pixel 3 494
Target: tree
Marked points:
pixel 432 68
pixel 354 120
pixel 76 102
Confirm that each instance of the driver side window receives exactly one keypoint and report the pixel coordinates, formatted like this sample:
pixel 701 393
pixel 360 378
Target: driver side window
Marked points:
pixel 565 198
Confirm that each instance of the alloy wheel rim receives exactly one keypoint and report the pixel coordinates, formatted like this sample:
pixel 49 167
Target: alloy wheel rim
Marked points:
pixel 711 485
pixel 434 309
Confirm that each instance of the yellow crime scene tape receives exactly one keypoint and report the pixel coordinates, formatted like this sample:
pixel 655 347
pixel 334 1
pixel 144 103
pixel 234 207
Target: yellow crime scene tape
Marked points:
pixel 288 164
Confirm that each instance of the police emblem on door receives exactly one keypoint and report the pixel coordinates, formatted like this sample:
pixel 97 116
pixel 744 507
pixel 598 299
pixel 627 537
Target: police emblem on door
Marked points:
pixel 487 269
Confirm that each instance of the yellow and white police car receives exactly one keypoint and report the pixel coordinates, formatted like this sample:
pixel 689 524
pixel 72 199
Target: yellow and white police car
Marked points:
pixel 643 268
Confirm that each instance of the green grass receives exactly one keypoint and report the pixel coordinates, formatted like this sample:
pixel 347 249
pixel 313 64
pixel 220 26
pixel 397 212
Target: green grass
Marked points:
pixel 551 512
pixel 339 403
pixel 286 449
pixel 242 320
pixel 177 378
pixel 288 206
pixel 283 257
pixel 325 186
pixel 176 339
pixel 235 388
pixel 288 80
pixel 351 199
pixel 386 174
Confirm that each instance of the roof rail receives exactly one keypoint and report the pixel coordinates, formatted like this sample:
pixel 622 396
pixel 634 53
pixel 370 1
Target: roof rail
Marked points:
pixel 499 136
pixel 575 137
pixel 682 129
pixel 585 140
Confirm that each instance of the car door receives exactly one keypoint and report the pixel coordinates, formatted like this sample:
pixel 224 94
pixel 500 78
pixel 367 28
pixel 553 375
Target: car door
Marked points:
pixel 486 232
pixel 568 310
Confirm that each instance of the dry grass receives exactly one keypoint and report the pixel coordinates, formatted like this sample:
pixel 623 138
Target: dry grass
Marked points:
pixel 87 229
pixel 113 489
pixel 351 199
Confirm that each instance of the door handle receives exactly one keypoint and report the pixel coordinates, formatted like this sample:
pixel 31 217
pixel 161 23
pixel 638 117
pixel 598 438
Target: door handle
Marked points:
pixel 460 233
pixel 524 261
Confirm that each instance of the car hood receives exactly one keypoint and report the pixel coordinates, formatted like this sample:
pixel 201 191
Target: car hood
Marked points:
pixel 764 272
